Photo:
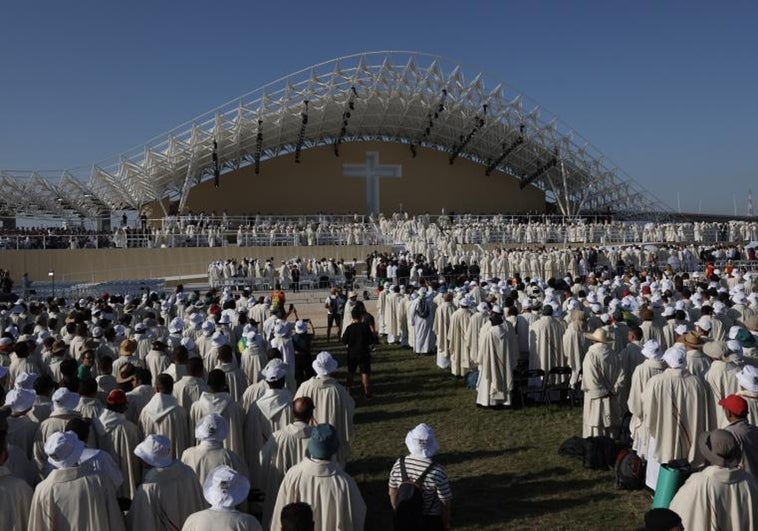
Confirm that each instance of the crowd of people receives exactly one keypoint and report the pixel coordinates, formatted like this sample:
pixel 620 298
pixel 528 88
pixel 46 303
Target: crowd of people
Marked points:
pixel 186 412
pixel 675 353
pixel 201 230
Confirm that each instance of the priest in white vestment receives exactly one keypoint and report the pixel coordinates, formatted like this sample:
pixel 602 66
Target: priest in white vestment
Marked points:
pixel 164 416
pixel 442 316
pixel 721 378
pixel 459 322
pixel 119 437
pixel 334 405
pixel 282 451
pixel 210 452
pixel 64 409
pixel 268 414
pixel 217 400
pixel 652 365
pixel 675 410
pixel 602 377
pixel 546 342
pixel 319 481
pixel 236 381
pixel 721 496
pixel 253 358
pixel 15 493
pixel 422 314
pixel 497 357
pixel 188 389
pixel 170 492
pixel 71 498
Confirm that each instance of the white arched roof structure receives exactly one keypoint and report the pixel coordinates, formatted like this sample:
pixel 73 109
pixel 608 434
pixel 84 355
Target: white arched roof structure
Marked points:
pixel 408 97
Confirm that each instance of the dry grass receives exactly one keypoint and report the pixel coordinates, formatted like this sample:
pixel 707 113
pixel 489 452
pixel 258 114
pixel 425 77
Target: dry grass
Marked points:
pixel 503 465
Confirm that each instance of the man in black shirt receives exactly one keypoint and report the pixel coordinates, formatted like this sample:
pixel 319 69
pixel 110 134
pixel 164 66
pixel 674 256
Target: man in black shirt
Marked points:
pixel 359 337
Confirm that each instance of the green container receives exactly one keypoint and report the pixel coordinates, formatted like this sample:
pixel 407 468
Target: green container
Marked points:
pixel 669 481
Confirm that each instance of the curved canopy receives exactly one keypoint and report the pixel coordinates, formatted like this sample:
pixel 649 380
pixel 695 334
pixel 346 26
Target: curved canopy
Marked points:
pixel 407 97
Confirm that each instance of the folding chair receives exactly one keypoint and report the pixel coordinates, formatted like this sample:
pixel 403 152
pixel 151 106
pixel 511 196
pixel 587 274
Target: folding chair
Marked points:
pixel 558 379
pixel 526 386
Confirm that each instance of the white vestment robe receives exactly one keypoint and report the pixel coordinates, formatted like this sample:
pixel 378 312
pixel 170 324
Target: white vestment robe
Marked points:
pixel 718 498
pixel 640 377
pixel 236 380
pixel 675 410
pixel 545 344
pixel 165 499
pixel 268 414
pixel 475 324
pixel 497 357
pixel 332 494
pixel 164 416
pixel 187 391
pixel 119 437
pixel 211 454
pixel 222 404
pixel 602 377
pixel 334 406
pixel 71 499
pixel 16 498
pixel 423 333
pixel 574 348
pixel 225 519
pixel 442 316
pixel 722 381
pixel 459 322
pixel 282 451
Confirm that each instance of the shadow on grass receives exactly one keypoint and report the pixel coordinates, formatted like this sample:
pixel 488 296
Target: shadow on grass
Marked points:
pixel 383 464
pixel 519 497
pixel 364 417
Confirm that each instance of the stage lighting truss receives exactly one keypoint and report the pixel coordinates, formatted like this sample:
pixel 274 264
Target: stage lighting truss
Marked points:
pixel 407 97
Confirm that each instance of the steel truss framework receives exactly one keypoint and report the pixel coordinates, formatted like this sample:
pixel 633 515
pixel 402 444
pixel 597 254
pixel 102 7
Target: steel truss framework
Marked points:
pixel 406 97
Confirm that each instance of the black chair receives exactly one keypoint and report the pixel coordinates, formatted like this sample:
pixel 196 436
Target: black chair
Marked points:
pixel 527 388
pixel 558 379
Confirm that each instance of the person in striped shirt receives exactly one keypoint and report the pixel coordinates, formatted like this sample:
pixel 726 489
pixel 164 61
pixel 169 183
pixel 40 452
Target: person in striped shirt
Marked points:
pixel 437 495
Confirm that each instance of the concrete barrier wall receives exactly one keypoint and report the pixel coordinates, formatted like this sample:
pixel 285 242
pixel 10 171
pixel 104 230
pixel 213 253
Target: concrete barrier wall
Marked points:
pixel 103 265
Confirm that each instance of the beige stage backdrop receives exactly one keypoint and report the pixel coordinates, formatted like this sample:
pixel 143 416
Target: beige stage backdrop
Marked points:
pixel 102 265
pixel 325 183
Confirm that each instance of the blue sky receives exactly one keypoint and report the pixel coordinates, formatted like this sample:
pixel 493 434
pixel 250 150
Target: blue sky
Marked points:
pixel 667 90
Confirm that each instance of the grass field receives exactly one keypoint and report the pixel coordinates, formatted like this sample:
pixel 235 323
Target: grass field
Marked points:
pixel 504 467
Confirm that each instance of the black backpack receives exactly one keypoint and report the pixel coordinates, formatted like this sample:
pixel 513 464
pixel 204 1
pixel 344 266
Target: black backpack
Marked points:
pixel 630 470
pixel 599 453
pixel 409 502
pixel 422 309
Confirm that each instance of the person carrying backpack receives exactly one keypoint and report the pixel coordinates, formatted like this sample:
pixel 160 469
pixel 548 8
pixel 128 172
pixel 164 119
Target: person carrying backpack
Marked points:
pixel 419 489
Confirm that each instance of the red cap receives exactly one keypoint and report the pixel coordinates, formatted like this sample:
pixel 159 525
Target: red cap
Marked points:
pixel 734 404
pixel 116 398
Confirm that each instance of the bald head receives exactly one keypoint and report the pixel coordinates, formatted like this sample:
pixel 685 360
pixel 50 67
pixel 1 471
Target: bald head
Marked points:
pixel 302 409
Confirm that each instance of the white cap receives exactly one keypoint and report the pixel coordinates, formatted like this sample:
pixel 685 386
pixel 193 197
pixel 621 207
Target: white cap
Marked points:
pixel 704 323
pixel 219 339
pixel 421 442
pixel 324 364
pixel 748 378
pixel 676 356
pixel 20 400
pixel 188 343
pixel 301 327
pixel 652 349
pixel 63 449
pixel 273 371
pixel 225 488
pixel 65 399
pixel 155 450
pixel 212 427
